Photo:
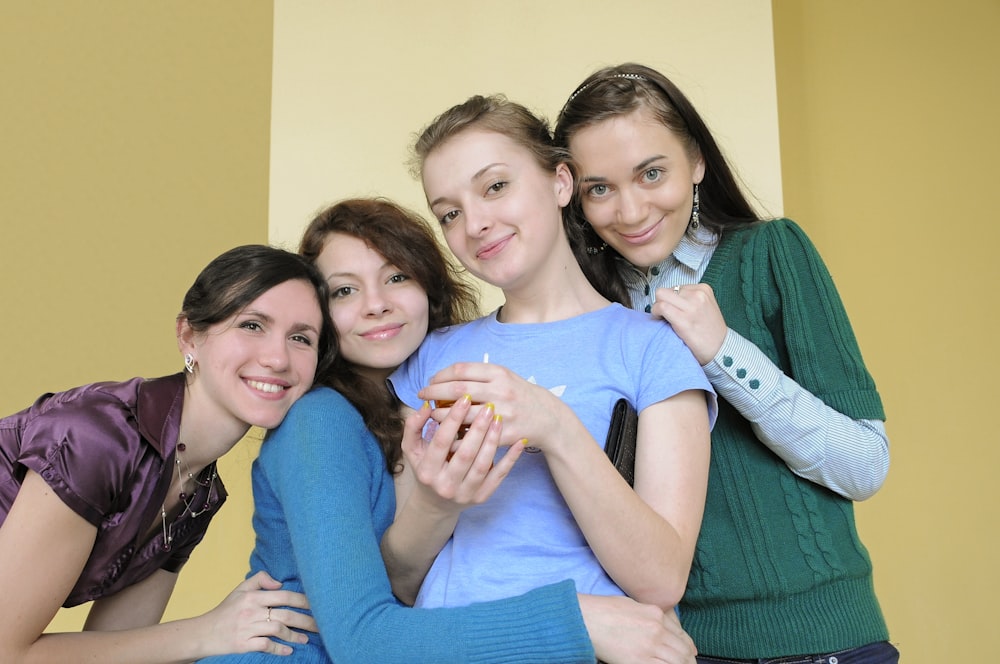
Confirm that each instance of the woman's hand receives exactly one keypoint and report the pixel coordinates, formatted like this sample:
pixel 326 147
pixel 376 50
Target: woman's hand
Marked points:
pixel 255 614
pixel 455 471
pixel 694 313
pixel 624 631
pixel 530 412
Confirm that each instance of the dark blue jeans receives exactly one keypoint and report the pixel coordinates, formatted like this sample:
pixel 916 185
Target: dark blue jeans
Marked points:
pixel 882 652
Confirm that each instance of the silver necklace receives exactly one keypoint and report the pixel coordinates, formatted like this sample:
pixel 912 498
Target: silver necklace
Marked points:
pixel 186 500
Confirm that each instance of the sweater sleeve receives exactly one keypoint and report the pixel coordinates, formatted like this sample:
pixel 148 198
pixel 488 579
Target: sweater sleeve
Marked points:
pixel 822 350
pixel 327 474
pixel 819 411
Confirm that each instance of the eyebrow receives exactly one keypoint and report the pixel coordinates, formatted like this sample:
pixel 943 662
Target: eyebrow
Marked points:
pixel 638 168
pixel 353 275
pixel 475 176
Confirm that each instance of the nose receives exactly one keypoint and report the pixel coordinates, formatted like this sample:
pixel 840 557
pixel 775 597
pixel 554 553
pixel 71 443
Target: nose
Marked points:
pixel 274 354
pixel 376 302
pixel 477 222
pixel 631 206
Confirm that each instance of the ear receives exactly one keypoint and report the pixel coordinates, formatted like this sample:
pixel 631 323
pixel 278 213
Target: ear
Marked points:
pixel 563 185
pixel 185 335
pixel 698 173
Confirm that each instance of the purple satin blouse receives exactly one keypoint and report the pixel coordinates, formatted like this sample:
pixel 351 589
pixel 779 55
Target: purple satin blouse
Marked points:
pixel 107 450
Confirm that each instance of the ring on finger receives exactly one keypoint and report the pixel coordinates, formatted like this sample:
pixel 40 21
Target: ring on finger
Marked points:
pixel 677 288
pixel 268 614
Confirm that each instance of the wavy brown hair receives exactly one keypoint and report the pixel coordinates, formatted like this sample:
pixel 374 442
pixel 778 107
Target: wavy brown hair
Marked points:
pixel 406 241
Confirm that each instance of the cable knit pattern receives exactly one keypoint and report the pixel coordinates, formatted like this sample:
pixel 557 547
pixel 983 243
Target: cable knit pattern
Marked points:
pixel 779 568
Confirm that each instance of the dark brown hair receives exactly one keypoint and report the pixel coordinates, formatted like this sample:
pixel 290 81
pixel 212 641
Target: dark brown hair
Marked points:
pixel 406 241
pixel 239 276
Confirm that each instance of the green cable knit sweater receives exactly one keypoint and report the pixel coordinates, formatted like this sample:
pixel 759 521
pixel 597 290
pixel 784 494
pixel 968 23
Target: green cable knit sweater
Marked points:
pixel 779 569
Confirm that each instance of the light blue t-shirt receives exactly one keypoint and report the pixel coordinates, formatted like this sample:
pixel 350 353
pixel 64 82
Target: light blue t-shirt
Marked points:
pixel 525 536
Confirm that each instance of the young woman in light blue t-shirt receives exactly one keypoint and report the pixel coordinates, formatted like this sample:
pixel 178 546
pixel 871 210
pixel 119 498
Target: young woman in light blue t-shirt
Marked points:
pixel 497 184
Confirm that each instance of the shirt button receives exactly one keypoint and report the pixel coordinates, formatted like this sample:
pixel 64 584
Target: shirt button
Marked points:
pixel 727 361
pixel 649 308
pixel 741 373
pixel 833 660
pixel 646 291
pixel 655 270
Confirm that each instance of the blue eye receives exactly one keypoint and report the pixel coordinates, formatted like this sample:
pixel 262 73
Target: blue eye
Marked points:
pixel 652 175
pixel 597 190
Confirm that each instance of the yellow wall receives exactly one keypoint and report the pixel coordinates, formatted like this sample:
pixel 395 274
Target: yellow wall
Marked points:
pixel 889 135
pixel 135 142
pixel 134 149
pixel 353 86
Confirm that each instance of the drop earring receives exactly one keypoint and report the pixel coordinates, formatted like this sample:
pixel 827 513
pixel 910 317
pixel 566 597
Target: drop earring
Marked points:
pixel 696 210
pixel 189 363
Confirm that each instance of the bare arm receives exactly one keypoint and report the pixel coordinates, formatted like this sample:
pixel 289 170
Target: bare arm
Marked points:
pixel 139 605
pixel 644 538
pixel 625 632
pixel 45 545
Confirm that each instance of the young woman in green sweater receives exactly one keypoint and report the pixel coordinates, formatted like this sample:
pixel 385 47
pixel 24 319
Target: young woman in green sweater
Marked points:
pixel 779 571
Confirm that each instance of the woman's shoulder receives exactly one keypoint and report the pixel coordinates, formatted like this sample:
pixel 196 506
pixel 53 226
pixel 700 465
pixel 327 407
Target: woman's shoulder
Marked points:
pixel 780 231
pixel 321 403
pixel 107 407
pixel 323 413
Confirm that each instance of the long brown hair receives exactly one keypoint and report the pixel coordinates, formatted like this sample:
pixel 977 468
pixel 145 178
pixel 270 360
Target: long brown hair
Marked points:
pixel 406 241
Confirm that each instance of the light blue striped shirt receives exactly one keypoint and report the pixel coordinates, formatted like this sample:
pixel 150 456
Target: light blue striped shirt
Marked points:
pixel 817 442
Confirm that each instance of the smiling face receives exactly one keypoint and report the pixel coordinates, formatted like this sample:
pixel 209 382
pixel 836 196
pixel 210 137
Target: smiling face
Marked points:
pixel 380 313
pixel 499 210
pixel 636 185
pixel 252 367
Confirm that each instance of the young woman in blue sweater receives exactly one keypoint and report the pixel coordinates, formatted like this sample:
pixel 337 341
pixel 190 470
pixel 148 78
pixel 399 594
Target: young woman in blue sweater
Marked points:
pixel 779 571
pixel 323 483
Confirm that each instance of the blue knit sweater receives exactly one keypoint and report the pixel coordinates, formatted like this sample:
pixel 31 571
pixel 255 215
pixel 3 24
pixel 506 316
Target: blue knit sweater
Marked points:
pixel 322 499
pixel 779 569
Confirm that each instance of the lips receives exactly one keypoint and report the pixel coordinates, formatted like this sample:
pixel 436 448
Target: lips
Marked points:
pixel 491 249
pixel 382 332
pixel 642 236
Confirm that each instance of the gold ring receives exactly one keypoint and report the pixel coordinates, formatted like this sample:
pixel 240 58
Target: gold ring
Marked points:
pixel 268 614
pixel 677 288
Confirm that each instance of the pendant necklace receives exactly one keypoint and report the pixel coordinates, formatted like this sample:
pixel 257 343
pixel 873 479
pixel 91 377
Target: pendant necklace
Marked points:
pixel 184 476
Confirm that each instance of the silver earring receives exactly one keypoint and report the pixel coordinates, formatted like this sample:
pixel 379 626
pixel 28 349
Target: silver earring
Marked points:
pixel 696 210
pixel 593 251
pixel 189 363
